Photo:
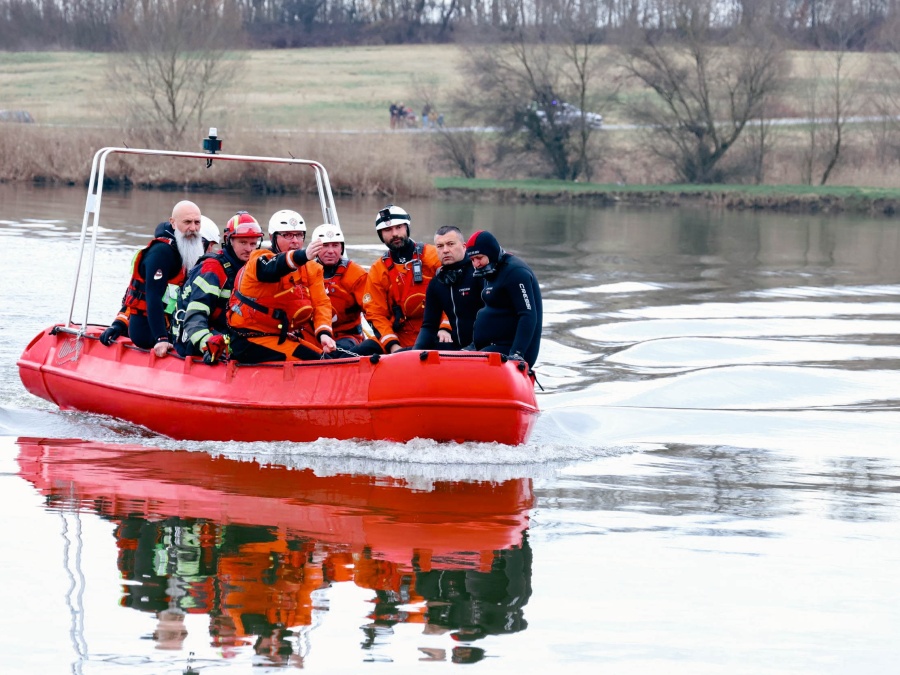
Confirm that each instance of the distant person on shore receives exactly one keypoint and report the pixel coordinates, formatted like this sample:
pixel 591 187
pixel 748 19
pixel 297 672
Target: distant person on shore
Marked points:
pixel 512 317
pixel 175 248
pixel 426 111
pixel 454 293
pixel 345 282
pixel 394 302
pixel 279 309
pixel 199 326
pixel 395 113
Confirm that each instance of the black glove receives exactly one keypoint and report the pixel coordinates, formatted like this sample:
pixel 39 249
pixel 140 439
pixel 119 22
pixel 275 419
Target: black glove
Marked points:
pixel 115 330
pixel 516 356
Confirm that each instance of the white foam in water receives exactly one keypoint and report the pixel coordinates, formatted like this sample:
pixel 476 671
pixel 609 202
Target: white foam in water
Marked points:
pixel 550 447
pixel 49 423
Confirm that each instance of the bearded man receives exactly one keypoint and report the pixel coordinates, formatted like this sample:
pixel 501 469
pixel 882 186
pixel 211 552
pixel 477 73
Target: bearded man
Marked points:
pixel 394 301
pixel 175 248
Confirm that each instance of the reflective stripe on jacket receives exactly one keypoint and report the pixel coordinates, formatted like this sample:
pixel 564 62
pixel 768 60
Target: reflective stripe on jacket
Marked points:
pixel 204 299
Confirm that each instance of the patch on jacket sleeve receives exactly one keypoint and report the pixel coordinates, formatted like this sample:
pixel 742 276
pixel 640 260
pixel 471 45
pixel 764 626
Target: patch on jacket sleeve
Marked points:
pixel 158 275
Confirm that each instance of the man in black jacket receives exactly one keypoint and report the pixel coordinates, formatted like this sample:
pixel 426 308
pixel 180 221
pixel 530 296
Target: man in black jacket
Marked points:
pixel 175 247
pixel 512 317
pixel 454 291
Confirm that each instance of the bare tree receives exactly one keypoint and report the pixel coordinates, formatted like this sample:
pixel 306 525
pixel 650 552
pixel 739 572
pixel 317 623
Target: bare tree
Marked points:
pixel 174 58
pixel 706 89
pixel 831 100
pixel 519 87
pixel 458 147
pixel 886 98
pixel 759 142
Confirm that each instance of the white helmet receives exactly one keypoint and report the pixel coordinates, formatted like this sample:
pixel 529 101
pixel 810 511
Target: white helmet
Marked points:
pixel 392 215
pixel 209 230
pixel 327 234
pixel 286 221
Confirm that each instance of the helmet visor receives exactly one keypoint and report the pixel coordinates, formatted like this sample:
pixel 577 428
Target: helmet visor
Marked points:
pixel 246 230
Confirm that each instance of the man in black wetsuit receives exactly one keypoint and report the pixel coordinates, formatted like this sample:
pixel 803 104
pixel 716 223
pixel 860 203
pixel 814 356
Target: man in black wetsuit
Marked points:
pixel 512 317
pixel 454 291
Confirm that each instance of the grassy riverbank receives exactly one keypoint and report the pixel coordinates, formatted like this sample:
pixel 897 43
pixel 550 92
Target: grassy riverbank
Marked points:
pixel 786 198
pixel 331 104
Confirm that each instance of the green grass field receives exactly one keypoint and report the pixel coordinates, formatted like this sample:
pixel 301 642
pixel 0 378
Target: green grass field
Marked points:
pixel 329 88
pixel 333 88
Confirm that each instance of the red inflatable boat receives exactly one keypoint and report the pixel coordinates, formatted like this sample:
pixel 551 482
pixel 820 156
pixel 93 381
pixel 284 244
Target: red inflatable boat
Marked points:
pixel 446 396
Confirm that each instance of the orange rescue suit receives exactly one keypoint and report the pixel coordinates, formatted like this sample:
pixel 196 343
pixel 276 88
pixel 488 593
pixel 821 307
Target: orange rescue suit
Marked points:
pixel 346 289
pixel 394 298
pixel 279 314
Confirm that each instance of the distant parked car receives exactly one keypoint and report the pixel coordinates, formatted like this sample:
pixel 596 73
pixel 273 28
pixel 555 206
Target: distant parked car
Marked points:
pixel 566 113
pixel 16 116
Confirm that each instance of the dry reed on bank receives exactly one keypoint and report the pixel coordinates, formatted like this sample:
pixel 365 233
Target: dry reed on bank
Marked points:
pixel 387 165
pixel 357 164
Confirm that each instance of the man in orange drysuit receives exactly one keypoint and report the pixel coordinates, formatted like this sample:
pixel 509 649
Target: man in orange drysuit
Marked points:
pixel 279 310
pixel 394 302
pixel 345 281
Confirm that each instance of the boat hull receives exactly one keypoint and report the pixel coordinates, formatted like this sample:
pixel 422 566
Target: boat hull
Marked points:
pixel 446 396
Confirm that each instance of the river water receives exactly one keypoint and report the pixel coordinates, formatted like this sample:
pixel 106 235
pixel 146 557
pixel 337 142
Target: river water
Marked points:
pixel 713 485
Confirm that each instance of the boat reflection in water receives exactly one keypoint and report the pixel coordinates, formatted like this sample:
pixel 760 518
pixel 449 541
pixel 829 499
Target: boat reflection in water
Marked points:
pixel 256 547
